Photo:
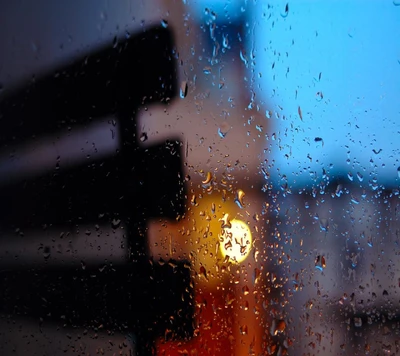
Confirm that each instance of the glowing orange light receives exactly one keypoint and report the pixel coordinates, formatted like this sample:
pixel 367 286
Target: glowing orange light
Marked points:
pixel 236 241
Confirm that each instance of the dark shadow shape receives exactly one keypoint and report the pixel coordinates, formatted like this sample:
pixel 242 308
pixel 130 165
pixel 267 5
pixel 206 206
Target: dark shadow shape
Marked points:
pixel 132 186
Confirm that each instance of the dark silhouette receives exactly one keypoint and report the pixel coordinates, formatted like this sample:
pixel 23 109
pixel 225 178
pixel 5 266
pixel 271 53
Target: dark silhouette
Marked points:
pixel 131 186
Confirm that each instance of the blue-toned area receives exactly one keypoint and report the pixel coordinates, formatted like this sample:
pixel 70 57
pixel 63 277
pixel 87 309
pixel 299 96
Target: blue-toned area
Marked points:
pixel 328 74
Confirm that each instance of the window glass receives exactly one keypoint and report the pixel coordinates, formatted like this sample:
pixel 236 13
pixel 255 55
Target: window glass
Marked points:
pixel 182 177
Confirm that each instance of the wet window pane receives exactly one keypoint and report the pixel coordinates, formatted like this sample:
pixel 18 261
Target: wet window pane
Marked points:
pixel 187 177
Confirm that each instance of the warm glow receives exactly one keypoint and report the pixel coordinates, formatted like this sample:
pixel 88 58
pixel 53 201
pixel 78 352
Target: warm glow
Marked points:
pixel 236 240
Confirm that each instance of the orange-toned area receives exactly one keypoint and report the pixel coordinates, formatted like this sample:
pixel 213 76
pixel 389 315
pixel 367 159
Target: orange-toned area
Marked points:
pixel 220 235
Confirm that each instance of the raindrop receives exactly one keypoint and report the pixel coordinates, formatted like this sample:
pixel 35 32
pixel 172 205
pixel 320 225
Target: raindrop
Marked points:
pixel 223 129
pixel 228 245
pixel 115 223
pixel 396 2
pixel 203 272
pixel 208 179
pixel 398 172
pixel 183 90
pixel 280 326
pixel 319 96
pixel 319 139
pixel 324 224
pixel 300 113
pixel 387 348
pixel 225 41
pixel 354 260
pixel 286 12
pixel 212 31
pixel 357 322
pixel 320 263
pixel 164 23
pixel 244 330
pixel 143 137
pixel 225 222
pixel 369 241
pixel 207 70
pixel 243 56
pixel 115 42
pixel 239 198
pixel 46 252
pixel 360 176
pixel 350 176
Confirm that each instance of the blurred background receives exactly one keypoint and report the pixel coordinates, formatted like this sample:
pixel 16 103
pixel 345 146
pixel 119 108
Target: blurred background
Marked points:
pixel 289 117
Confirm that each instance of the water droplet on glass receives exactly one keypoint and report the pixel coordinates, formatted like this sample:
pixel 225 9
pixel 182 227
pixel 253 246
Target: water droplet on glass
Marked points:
pixel 396 2
pixel 277 327
pixel 212 31
pixel 225 222
pixel 370 242
pixel 207 70
pixel 320 263
pixel 244 330
pixel 115 42
pixel 398 172
pixel 358 322
pixel 183 90
pixel 164 23
pixel 46 252
pixel 239 198
pixel 223 129
pixel 225 41
pixel 286 11
pixel 350 176
pixel 280 326
pixel 243 56
pixel 360 176
pixel 203 272
pixel 339 190
pixel 143 137
pixel 208 179
pixel 300 113
pixel 324 224
pixel 115 223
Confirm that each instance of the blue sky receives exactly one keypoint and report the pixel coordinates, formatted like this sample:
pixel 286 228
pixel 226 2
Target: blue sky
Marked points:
pixel 350 52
